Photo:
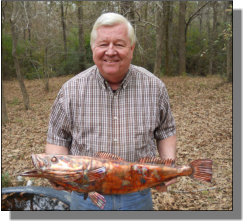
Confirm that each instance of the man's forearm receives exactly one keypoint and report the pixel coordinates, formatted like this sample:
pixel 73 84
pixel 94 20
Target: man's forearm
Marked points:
pixel 56 149
pixel 167 147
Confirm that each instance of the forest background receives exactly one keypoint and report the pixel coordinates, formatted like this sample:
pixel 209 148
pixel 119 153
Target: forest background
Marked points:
pixel 188 44
pixel 173 38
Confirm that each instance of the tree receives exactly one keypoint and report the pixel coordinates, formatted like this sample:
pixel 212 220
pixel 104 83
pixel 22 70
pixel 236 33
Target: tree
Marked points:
pixel 168 32
pixel 64 30
pixel 172 37
pixel 82 50
pixel 128 10
pixel 14 32
pixel 159 21
pixel 212 38
pixel 4 113
pixel 27 10
pixel 229 42
pixel 193 16
pixel 181 38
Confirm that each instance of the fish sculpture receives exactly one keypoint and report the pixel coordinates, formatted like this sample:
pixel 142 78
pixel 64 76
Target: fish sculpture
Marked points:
pixel 109 174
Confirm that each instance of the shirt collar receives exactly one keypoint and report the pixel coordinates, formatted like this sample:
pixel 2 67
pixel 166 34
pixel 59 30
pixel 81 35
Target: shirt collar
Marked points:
pixel 100 79
pixel 124 83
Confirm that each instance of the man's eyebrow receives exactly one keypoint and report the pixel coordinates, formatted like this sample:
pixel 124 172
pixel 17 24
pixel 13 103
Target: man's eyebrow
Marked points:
pixel 120 40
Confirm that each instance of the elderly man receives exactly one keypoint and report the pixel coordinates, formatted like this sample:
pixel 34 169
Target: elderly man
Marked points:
pixel 115 107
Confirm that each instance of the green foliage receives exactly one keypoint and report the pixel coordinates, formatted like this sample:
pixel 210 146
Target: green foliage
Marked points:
pixel 87 46
pixel 8 69
pixel 69 65
pixel 5 179
pixel 196 42
pixel 73 38
pixel 15 101
pixel 48 35
pixel 196 49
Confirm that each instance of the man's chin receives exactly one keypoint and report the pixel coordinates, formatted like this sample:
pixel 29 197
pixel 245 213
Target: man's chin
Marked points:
pixel 110 71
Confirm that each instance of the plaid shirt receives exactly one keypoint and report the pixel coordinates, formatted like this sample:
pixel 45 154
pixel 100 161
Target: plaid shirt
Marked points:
pixel 88 117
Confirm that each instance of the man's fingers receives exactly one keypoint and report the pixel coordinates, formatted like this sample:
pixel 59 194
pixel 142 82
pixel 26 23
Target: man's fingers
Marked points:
pixel 56 187
pixel 172 181
pixel 161 188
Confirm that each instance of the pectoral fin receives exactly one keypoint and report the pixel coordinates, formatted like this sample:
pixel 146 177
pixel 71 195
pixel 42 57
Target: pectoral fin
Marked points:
pixel 97 174
pixel 97 199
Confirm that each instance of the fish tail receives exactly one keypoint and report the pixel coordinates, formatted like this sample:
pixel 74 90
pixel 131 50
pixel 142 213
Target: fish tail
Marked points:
pixel 202 169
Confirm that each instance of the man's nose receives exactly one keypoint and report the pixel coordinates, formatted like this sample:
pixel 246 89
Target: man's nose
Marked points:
pixel 110 50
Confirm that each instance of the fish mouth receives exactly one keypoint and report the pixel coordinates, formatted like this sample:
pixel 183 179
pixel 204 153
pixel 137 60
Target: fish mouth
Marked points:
pixel 30 173
pixel 38 164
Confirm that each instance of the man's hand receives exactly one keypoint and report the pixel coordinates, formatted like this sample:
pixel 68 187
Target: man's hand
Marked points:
pixel 167 150
pixel 57 187
pixel 56 149
pixel 163 187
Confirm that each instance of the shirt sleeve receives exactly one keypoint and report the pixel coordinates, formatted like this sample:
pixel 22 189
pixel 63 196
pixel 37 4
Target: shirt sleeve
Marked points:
pixel 59 129
pixel 166 127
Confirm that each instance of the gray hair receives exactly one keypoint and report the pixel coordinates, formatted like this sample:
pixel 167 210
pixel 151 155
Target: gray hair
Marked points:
pixel 111 19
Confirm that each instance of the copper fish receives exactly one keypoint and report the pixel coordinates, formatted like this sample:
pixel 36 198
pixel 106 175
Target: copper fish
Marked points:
pixel 109 174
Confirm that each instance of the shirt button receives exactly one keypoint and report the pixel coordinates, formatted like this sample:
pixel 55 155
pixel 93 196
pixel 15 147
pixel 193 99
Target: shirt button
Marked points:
pixel 115 139
pixel 115 118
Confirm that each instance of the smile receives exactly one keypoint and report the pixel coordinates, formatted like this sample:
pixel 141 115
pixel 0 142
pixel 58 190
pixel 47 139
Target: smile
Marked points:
pixel 109 61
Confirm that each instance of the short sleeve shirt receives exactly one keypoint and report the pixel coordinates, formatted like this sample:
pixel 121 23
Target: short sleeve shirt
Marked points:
pixel 88 117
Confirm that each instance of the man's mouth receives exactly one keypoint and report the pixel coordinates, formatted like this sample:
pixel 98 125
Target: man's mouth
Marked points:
pixel 111 61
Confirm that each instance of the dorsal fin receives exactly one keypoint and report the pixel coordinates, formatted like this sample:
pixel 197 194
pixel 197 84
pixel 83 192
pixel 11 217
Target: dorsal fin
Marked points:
pixel 157 160
pixel 107 155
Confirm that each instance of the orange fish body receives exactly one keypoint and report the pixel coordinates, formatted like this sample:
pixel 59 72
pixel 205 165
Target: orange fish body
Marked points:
pixel 109 174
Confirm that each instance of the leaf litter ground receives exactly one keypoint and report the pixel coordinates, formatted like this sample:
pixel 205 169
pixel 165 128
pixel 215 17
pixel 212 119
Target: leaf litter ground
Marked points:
pixel 202 108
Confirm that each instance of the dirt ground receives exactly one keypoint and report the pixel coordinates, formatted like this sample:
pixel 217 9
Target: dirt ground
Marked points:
pixel 202 108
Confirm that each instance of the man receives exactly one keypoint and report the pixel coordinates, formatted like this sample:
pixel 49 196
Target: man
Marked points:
pixel 114 107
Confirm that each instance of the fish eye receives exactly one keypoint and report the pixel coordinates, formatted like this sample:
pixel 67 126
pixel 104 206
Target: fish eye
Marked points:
pixel 54 159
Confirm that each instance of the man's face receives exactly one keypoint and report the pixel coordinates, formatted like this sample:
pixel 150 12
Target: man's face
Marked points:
pixel 112 51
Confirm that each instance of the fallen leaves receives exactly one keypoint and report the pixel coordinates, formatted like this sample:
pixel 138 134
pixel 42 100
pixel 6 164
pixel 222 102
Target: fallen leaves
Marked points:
pixel 202 108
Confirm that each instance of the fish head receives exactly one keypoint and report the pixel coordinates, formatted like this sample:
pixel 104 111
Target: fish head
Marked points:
pixel 52 165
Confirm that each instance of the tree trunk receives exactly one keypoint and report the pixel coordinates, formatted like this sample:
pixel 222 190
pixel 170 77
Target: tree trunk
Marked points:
pixel 229 46
pixel 210 43
pixel 4 113
pixel 143 35
pixel 64 31
pixel 170 40
pixel 168 24
pixel 181 34
pixel 159 41
pixel 212 35
pixel 128 10
pixel 82 51
pixel 46 72
pixel 29 26
pixel 15 58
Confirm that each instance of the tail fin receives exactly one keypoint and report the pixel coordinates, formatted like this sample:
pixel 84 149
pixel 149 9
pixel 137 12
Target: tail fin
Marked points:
pixel 202 169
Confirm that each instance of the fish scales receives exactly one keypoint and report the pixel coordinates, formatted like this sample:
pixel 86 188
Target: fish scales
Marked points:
pixel 109 174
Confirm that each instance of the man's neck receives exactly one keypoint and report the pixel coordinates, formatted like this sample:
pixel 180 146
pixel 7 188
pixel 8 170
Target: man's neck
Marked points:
pixel 114 86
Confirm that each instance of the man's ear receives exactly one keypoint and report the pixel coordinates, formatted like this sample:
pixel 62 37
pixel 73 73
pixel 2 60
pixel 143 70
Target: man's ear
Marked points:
pixel 133 47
